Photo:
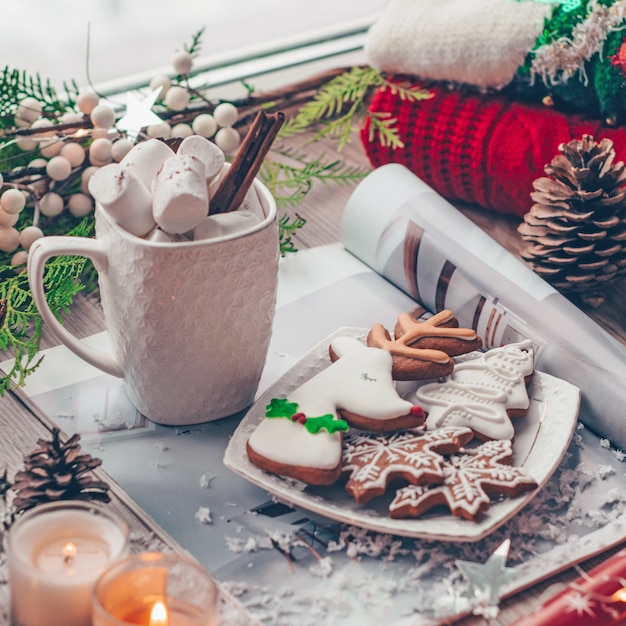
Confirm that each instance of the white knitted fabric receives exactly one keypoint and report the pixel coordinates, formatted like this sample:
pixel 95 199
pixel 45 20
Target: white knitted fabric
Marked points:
pixel 479 42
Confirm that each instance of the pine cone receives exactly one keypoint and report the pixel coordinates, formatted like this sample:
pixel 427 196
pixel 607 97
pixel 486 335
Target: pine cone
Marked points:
pixel 578 222
pixel 5 484
pixel 57 471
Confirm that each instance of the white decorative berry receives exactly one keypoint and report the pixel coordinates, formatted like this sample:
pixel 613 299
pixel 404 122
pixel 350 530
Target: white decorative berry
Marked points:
pixel 50 147
pixel 121 148
pixel 225 114
pixel 87 102
pixel 227 139
pixel 79 204
pixel 70 117
pixel 74 153
pixel 182 130
pixel 204 125
pixel 163 130
pixel 58 168
pixel 9 239
pixel 102 116
pixel 29 235
pixel 39 184
pixel 12 201
pixel 100 151
pixel 19 258
pixel 51 204
pixel 28 110
pixel 177 98
pixel 25 143
pixel 87 173
pixel 182 62
pixel 43 122
pixel 161 81
pixel 8 219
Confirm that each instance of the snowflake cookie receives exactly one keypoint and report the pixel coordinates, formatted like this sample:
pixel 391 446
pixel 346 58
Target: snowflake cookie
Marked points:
pixel 469 479
pixel 374 461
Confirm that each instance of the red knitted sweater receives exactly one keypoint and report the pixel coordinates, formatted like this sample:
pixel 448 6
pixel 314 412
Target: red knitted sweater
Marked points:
pixel 482 149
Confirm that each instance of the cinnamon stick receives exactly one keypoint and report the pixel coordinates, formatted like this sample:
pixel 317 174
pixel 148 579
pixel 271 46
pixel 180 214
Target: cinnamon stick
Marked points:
pixel 247 162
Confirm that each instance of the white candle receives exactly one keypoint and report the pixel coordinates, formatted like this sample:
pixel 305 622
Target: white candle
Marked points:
pixel 55 553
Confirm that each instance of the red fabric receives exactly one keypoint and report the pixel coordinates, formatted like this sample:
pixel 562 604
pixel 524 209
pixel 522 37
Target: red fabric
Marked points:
pixel 485 150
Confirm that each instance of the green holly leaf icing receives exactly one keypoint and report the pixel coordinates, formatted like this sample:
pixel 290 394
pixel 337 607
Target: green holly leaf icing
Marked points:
pixel 327 422
pixel 281 407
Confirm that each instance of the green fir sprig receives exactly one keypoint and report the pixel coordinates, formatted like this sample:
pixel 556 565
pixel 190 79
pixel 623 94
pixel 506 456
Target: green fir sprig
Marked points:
pixel 287 227
pixel 17 84
pixel 292 178
pixel 196 43
pixel 340 107
pixel 21 328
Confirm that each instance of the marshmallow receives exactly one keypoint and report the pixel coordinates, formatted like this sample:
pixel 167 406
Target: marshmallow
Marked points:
pixel 205 150
pixel 124 197
pixel 252 203
pixel 224 224
pixel 180 199
pixel 161 236
pixel 146 158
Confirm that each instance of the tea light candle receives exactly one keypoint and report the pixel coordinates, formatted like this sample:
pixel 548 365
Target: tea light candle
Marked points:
pixel 55 553
pixel 155 589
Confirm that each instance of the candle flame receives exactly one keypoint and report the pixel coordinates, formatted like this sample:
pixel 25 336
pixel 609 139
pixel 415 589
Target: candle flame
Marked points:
pixel 619 595
pixel 158 614
pixel 69 552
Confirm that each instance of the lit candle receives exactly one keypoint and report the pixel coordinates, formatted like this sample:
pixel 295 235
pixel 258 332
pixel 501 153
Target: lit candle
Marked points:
pixel 155 589
pixel 55 553
pixel 159 614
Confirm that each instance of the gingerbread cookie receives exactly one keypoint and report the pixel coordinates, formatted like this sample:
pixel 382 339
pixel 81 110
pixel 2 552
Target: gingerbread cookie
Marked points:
pixel 470 478
pixel 482 393
pixel 297 446
pixel 359 384
pixel 374 461
pixel 301 436
pixel 423 350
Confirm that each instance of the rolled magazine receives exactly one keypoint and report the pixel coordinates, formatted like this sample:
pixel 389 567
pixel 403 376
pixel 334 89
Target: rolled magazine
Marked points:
pixel 416 239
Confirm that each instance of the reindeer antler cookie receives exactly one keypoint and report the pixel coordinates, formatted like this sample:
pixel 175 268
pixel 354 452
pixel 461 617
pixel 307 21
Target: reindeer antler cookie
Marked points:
pixel 423 350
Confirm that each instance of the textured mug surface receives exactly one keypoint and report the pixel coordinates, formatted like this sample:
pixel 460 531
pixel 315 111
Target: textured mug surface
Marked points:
pixel 190 322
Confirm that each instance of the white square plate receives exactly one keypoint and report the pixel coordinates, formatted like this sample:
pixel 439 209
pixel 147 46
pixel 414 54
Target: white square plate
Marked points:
pixel 541 439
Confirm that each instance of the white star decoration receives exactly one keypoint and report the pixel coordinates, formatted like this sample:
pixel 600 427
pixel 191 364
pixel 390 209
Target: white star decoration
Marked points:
pixel 139 114
pixel 579 603
pixel 486 579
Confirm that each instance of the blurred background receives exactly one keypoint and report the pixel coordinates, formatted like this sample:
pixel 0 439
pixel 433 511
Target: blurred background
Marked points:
pixel 137 37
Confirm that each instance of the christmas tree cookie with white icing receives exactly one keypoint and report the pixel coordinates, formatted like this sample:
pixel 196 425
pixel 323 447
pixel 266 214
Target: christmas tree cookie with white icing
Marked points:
pixel 301 435
pixel 482 393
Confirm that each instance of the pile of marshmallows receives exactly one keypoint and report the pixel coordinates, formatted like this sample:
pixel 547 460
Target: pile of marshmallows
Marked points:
pixel 162 195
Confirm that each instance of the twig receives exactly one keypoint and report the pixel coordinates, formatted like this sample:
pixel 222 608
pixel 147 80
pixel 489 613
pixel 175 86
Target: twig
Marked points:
pixel 247 162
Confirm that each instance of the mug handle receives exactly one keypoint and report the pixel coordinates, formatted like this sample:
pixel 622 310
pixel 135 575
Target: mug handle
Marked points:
pixel 40 251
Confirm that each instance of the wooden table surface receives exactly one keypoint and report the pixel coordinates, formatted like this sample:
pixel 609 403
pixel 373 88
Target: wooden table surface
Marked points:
pixel 322 209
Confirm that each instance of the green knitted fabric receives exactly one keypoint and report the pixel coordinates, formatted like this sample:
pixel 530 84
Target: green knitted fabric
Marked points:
pixel 597 87
pixel 610 81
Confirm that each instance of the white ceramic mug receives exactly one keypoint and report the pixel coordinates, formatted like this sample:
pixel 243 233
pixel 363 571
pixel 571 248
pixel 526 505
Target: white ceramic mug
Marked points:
pixel 189 322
